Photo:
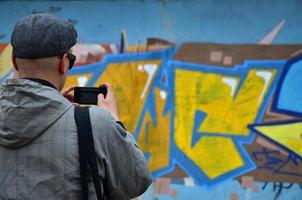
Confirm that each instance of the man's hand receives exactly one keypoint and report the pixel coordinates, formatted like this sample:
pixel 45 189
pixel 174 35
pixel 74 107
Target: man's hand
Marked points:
pixel 66 93
pixel 108 103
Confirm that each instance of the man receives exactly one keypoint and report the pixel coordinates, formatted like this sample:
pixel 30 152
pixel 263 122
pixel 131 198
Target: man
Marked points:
pixel 38 136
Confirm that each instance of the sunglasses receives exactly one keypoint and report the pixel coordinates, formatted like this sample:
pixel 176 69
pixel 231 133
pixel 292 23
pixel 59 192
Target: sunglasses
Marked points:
pixel 71 59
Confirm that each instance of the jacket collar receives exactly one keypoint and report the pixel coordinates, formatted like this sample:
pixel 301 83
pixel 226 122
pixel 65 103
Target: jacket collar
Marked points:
pixel 42 81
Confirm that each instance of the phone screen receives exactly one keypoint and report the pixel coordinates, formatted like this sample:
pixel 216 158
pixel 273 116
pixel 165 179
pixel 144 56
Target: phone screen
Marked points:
pixel 88 95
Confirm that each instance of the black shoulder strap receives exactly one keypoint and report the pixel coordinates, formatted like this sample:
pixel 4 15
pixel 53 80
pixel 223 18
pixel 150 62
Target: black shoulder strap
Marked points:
pixel 87 153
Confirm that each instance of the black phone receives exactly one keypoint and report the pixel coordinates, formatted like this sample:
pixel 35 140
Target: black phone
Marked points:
pixel 88 95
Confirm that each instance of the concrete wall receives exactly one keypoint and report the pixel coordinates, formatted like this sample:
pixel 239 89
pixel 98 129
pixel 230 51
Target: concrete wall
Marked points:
pixel 228 21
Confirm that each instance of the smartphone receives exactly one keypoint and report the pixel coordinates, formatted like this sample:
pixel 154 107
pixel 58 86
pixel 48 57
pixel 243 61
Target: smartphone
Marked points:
pixel 88 95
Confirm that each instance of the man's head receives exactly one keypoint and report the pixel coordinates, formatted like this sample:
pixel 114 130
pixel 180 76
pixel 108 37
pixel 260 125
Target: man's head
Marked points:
pixel 42 48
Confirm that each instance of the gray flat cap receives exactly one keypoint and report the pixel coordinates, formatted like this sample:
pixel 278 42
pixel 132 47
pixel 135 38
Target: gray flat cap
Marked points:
pixel 41 36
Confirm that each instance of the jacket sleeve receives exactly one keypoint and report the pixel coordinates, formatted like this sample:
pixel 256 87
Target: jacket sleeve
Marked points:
pixel 121 163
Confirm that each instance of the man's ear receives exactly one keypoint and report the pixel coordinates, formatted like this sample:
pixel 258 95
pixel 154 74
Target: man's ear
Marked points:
pixel 63 64
pixel 15 62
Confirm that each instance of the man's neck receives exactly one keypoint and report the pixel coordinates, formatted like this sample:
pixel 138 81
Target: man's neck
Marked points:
pixel 49 79
pixel 41 81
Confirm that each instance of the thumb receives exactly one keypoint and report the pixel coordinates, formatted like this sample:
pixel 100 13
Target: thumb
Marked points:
pixel 101 98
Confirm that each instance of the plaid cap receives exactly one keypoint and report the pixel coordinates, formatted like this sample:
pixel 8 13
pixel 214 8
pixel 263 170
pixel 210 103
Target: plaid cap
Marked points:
pixel 41 36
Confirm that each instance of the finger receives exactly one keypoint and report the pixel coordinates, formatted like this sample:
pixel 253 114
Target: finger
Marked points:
pixel 101 97
pixel 70 97
pixel 109 90
pixel 68 89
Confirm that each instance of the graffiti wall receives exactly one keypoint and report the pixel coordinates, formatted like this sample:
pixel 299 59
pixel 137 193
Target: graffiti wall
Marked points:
pixel 276 135
pixel 213 118
pixel 218 120
pixel 214 122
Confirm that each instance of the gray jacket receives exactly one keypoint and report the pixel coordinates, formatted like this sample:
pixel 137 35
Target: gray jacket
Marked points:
pixel 39 147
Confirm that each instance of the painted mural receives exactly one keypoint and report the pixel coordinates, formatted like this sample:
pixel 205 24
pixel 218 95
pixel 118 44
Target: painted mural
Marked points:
pixel 272 161
pixel 200 117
